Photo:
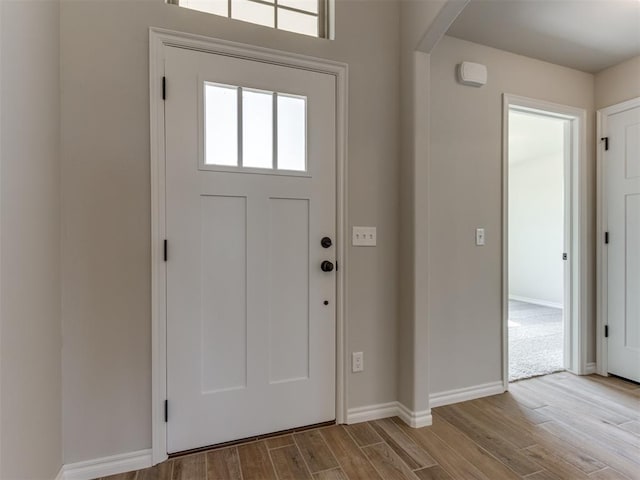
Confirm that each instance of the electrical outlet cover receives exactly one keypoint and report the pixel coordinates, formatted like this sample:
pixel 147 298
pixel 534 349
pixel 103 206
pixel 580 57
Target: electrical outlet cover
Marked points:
pixel 357 362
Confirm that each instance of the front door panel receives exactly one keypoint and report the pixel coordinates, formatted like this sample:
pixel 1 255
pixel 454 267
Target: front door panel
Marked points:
pixel 250 194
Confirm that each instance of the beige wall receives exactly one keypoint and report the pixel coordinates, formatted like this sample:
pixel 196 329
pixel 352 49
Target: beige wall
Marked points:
pixel 30 341
pixel 465 193
pixel 618 83
pixel 417 16
pixel 106 205
pixel 413 355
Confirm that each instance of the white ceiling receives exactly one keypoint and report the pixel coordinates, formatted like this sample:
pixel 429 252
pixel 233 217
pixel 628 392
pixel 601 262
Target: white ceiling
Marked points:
pixel 588 35
pixel 534 136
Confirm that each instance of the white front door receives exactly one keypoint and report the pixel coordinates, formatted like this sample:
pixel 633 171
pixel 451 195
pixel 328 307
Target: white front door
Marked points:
pixel 621 166
pixel 250 196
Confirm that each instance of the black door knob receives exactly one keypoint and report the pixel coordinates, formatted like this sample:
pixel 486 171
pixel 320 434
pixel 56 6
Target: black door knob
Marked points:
pixel 326 242
pixel 326 266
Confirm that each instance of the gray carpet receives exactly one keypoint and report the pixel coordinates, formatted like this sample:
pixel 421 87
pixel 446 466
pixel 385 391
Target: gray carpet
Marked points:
pixel 535 340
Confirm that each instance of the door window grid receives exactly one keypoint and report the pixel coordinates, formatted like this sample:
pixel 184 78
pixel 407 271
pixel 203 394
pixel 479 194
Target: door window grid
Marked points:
pixel 307 17
pixel 262 139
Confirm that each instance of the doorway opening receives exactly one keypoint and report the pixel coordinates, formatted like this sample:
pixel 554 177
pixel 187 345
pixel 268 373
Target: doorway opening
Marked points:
pixel 538 161
pixel 541 233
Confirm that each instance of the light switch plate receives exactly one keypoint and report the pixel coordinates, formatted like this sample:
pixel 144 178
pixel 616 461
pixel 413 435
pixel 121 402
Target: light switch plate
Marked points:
pixel 364 237
pixel 480 239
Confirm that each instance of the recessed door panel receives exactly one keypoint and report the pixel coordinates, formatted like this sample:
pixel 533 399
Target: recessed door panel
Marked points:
pixel 632 274
pixel 632 151
pixel 289 287
pixel 223 292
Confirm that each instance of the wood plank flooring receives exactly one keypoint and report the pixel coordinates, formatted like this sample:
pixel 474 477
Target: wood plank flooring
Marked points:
pixel 557 427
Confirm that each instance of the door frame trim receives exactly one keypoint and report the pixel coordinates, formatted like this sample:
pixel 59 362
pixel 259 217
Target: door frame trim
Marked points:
pixel 576 330
pixel 602 360
pixel 159 39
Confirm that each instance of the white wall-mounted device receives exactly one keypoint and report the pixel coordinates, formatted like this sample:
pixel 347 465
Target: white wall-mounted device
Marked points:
pixel 364 237
pixel 473 74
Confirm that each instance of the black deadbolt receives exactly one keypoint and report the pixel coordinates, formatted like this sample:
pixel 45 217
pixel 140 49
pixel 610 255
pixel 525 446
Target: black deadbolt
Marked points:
pixel 326 266
pixel 326 242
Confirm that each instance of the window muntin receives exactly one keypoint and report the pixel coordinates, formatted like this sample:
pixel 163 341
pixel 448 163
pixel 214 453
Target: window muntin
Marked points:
pixel 307 17
pixel 246 128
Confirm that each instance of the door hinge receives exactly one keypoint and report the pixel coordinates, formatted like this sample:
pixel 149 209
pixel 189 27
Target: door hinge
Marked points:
pixel 606 237
pixel 166 250
pixel 565 256
pixel 336 266
pixel 164 88
pixel 606 142
pixel 166 411
pixel 606 331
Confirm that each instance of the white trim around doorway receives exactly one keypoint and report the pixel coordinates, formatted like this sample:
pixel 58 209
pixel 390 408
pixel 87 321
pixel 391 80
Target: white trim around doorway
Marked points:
pixel 602 116
pixel 158 40
pixel 576 329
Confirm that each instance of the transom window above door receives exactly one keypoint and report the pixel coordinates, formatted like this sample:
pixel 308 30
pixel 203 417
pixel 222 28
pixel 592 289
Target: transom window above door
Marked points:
pixel 245 128
pixel 308 17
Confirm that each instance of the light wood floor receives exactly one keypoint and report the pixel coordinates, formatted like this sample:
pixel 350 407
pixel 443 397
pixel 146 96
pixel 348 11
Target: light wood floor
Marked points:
pixel 554 427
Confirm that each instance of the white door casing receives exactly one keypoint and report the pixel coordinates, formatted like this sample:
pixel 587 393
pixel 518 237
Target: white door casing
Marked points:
pixel 575 331
pixel 620 227
pixel 270 202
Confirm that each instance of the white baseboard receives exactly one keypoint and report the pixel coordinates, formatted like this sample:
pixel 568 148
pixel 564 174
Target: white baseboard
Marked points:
pixel 464 394
pixel 102 467
pixel 372 412
pixel 591 368
pixel 60 475
pixel 536 301
pixel 414 419
pixel 386 410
